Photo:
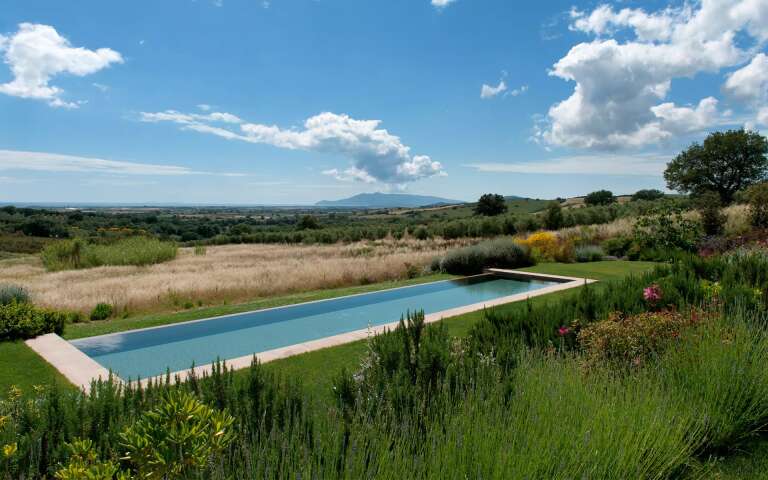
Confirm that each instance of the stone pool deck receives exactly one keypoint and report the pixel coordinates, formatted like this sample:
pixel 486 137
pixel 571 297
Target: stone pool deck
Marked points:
pixel 82 370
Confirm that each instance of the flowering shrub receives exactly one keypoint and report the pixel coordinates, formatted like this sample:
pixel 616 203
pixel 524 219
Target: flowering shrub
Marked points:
pixel 652 295
pixel 630 340
pixel 544 245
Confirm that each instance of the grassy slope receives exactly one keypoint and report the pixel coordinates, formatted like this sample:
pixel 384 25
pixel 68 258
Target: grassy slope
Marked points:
pixel 466 211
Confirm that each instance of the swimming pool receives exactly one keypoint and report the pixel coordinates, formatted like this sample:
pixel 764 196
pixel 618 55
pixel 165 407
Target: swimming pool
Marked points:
pixel 153 351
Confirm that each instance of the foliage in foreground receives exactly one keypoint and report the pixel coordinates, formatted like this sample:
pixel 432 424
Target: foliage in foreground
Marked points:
pixel 513 401
pixel 76 253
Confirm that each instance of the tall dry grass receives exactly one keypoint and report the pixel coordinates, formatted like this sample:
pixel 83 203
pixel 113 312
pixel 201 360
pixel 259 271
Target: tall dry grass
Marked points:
pixel 229 273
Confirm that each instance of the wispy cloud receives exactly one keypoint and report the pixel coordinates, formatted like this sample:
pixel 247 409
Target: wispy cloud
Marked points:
pixel 54 162
pixel 641 165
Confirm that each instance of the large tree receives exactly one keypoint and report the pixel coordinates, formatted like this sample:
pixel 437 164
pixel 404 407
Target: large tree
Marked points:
pixel 491 204
pixel 726 163
pixel 600 197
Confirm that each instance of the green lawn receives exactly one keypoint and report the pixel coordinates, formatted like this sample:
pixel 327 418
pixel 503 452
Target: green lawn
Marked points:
pixel 22 367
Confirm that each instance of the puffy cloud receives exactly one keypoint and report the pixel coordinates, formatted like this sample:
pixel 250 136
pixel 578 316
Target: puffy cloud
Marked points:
pixel 36 53
pixel 442 3
pixel 750 83
pixel 488 91
pixel 376 154
pixel 620 87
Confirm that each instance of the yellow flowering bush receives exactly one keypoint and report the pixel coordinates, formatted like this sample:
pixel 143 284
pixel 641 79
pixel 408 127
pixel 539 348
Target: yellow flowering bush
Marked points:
pixel 544 245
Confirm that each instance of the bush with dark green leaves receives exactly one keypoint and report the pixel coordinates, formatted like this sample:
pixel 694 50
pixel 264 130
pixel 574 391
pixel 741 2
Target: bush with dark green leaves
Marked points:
pixel 600 197
pixel 757 195
pixel 19 321
pixel 589 253
pixel 102 311
pixel 712 217
pixel 553 217
pixel 491 204
pixel 13 293
pixel 497 253
pixel 648 194
pixel 617 246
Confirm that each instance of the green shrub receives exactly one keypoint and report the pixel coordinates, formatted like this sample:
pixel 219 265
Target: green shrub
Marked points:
pixel 200 250
pixel 76 253
pixel 617 246
pixel 712 217
pixel 629 341
pixel 13 293
pixel 758 205
pixel 666 228
pixel 553 216
pixel 176 439
pixel 497 253
pixel 600 197
pixel 648 195
pixel 589 253
pixel 23 320
pixel 101 311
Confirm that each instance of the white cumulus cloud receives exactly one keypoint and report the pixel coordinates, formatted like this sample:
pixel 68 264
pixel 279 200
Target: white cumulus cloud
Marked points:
pixel 750 83
pixel 442 3
pixel 36 53
pixel 489 91
pixel 621 86
pixel 376 155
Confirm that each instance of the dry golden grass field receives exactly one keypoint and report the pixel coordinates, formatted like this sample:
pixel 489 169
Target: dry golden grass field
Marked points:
pixel 230 273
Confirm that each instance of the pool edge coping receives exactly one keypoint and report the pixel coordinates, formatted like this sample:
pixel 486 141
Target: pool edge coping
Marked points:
pixel 82 370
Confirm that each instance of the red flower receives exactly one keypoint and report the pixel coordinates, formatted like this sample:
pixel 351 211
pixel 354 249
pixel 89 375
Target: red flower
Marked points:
pixel 563 331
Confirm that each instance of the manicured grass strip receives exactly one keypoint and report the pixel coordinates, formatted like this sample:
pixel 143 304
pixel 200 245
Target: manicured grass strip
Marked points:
pixel 22 367
pixel 90 329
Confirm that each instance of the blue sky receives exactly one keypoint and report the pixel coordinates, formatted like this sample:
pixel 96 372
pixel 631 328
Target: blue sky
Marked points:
pixel 295 101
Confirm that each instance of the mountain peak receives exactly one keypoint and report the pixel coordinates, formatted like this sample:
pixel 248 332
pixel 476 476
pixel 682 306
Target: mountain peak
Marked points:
pixel 387 200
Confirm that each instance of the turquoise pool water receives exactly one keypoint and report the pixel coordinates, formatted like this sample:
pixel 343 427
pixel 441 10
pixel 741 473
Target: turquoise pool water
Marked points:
pixel 150 352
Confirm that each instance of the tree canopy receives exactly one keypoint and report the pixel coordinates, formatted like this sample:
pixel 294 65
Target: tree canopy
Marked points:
pixel 725 163
pixel 600 197
pixel 648 194
pixel 491 204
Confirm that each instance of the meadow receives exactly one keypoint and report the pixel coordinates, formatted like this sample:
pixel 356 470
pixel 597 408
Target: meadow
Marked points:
pixel 224 274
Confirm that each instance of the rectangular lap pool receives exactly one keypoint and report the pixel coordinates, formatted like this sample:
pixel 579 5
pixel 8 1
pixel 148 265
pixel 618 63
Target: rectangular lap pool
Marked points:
pixel 151 352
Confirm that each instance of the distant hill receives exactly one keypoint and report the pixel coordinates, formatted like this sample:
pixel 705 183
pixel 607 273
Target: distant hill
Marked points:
pixel 388 200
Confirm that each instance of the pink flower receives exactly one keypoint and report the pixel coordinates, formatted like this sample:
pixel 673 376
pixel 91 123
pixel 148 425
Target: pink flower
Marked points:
pixel 652 294
pixel 563 331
